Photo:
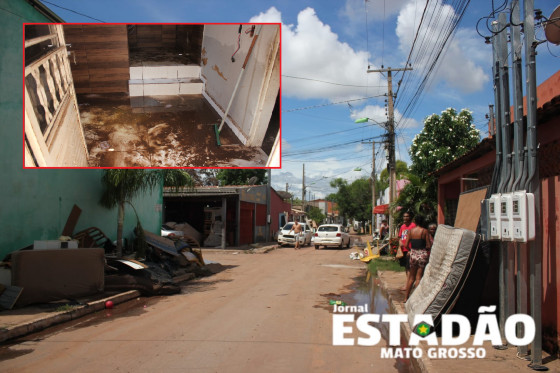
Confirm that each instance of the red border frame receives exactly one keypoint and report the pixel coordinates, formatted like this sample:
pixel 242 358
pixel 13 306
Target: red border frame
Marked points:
pixel 130 23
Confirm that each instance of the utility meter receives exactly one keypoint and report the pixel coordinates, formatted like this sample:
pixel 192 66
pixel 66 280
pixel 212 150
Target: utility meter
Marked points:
pixel 506 216
pixel 495 232
pixel 523 213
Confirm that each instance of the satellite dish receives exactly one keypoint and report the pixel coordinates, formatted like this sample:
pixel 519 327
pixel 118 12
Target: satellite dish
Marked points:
pixel 552 28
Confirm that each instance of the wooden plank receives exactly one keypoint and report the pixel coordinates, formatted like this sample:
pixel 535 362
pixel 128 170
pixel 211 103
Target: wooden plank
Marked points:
pixel 101 56
pixel 72 221
pixel 121 88
pixel 10 296
pixel 34 134
pixel 109 65
pixel 29 161
pixel 35 65
pixel 40 39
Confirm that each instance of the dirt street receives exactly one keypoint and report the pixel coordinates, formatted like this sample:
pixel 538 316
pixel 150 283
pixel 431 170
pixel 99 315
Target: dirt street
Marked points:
pixel 264 313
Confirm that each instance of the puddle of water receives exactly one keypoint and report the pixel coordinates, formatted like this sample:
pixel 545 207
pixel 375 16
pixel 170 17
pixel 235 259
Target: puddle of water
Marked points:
pixel 367 290
pixel 169 131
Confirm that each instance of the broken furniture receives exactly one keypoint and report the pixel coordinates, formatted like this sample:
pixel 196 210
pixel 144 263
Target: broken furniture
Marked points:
pixel 51 275
pixel 94 237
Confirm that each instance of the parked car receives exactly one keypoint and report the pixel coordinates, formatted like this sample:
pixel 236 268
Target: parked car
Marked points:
pixel 285 237
pixel 331 235
pixel 167 230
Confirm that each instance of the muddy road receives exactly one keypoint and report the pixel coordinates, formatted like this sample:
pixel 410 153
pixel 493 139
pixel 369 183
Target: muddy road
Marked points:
pixel 263 313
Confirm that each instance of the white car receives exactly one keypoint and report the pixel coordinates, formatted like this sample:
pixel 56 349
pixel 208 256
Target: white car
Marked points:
pixel 331 235
pixel 285 237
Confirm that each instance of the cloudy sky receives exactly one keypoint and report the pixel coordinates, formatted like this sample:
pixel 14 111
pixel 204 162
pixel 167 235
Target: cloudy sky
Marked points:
pixel 327 48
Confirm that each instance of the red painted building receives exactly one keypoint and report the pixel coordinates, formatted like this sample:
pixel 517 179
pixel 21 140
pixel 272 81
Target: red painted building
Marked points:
pixel 475 168
pixel 279 212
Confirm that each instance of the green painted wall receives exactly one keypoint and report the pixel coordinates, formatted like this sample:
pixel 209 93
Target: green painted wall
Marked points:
pixel 35 204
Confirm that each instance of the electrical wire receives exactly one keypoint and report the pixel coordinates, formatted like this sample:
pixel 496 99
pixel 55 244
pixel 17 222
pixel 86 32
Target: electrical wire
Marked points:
pixel 367 29
pixel 333 83
pixel 331 103
pixel 73 11
pixel 427 52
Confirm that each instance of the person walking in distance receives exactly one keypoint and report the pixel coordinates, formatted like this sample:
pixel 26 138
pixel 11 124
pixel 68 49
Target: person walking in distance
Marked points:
pixel 403 234
pixel 297 232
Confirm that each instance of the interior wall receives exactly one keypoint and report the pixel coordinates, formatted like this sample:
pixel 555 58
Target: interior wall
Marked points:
pixel 185 39
pixel 98 57
pixel 256 95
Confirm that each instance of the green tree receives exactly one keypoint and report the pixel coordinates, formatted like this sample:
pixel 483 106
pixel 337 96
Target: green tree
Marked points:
pixel 122 185
pixel 353 200
pixel 444 138
pixel 383 182
pixel 315 214
pixel 242 176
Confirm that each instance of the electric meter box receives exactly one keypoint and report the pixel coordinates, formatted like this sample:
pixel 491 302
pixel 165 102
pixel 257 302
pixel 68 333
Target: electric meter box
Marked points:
pixel 495 231
pixel 506 216
pixel 523 213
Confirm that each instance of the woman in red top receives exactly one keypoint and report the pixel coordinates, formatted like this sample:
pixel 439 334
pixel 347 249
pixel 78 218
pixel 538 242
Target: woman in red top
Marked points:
pixel 418 240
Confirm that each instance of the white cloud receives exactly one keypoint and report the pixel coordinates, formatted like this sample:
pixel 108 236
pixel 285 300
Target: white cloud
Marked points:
pixel 318 175
pixel 376 9
pixel 285 145
pixel 463 51
pixel 312 50
pixel 379 115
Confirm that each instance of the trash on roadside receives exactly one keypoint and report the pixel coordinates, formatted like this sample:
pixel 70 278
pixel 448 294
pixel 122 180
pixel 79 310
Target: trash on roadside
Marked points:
pixel 337 302
pixel 356 256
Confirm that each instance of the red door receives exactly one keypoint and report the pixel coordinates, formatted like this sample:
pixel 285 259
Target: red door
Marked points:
pixel 246 223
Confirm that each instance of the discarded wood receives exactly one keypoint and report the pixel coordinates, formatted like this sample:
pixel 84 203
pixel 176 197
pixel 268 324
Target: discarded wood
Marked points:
pixel 10 296
pixel 72 221
pixel 134 264
pixel 160 243
pixel 93 237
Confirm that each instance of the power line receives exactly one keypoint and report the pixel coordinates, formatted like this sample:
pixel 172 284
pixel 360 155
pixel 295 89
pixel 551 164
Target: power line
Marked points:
pixel 73 11
pixel 331 103
pixel 323 81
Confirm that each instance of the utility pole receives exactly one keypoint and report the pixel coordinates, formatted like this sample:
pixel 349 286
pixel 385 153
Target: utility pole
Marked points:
pixel 372 184
pixel 303 190
pixel 391 135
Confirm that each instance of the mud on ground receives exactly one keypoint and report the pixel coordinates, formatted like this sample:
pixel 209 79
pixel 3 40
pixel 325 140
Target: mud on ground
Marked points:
pixel 164 131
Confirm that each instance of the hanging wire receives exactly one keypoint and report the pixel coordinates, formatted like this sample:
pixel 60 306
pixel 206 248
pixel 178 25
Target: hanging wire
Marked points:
pixel 73 11
pixel 367 29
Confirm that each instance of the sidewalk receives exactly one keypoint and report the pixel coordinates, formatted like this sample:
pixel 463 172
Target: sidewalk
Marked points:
pixel 18 322
pixel 34 318
pixel 496 361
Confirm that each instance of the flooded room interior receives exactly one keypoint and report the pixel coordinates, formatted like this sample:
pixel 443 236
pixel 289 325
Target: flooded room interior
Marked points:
pixel 152 95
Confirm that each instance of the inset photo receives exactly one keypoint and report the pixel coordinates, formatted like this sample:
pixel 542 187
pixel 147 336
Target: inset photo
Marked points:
pixel 152 95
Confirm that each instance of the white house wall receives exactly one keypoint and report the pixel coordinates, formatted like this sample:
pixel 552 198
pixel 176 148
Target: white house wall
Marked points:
pixel 256 95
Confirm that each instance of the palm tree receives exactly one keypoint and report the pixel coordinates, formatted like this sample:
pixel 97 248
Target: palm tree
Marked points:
pixel 122 185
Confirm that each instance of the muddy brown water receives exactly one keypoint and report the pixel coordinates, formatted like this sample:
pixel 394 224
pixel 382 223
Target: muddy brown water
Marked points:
pixel 163 131
pixel 367 290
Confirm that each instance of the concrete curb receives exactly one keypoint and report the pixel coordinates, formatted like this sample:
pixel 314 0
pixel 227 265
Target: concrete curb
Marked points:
pixel 44 322
pixel 422 364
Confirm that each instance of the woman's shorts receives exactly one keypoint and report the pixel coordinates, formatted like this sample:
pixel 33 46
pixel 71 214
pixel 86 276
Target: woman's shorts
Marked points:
pixel 419 257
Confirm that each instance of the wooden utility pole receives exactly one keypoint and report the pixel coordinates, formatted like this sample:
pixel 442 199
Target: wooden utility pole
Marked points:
pixel 303 189
pixel 372 184
pixel 391 142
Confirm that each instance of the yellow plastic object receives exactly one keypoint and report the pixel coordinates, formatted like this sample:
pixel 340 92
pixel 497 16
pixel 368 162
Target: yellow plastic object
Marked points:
pixel 369 258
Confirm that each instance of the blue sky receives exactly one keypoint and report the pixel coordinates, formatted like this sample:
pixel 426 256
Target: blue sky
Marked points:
pixel 326 49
